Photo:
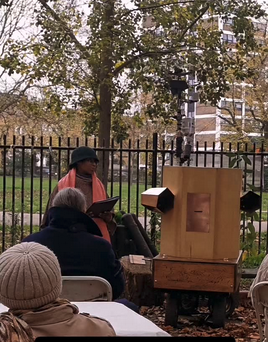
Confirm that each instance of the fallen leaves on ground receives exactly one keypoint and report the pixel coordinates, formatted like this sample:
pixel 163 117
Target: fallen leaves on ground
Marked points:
pixel 242 325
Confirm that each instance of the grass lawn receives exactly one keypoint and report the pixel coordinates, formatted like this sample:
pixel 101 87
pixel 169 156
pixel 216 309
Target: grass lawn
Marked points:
pixel 128 206
pixel 13 235
pixel 264 206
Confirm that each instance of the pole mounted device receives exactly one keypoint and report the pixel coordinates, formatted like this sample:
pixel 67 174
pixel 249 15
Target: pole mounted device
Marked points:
pixel 177 86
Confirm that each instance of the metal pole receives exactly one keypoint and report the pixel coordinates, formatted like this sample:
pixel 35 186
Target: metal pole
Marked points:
pixel 179 135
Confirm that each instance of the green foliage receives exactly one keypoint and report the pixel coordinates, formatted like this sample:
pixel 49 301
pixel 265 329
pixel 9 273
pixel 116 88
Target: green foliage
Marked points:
pixel 118 217
pixel 98 58
pixel 249 236
pixel 18 162
pixel 155 224
pixel 253 261
pixel 15 229
pixel 248 242
pixel 13 234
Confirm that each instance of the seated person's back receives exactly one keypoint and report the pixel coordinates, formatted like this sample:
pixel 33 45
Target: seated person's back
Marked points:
pixel 76 240
pixel 14 329
pixel 30 286
pixel 262 274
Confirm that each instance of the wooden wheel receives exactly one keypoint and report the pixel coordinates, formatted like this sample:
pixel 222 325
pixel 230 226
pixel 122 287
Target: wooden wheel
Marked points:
pixel 232 302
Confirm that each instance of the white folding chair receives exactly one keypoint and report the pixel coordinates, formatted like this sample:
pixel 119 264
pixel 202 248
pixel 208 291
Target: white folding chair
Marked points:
pixel 86 289
pixel 259 298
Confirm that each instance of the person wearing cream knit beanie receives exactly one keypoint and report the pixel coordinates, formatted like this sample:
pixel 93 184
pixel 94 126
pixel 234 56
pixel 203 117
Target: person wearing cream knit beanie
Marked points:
pixel 30 276
pixel 30 286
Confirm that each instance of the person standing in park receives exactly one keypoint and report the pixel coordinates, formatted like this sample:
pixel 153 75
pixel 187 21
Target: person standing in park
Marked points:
pixel 82 175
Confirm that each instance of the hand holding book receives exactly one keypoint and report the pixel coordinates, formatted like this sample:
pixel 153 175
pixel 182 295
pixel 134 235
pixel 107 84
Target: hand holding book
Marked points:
pixel 107 216
pixel 102 208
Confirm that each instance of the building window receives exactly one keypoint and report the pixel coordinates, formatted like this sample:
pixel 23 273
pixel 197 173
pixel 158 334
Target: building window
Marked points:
pixel 19 130
pixel 260 41
pixel 238 107
pixel 247 109
pixel 260 27
pixel 159 32
pixel 229 104
pixel 224 124
pixel 191 76
pixel 229 38
pixel 229 21
pixel 225 104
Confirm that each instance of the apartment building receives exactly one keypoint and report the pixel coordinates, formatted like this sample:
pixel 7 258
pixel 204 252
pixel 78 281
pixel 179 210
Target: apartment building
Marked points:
pixel 210 125
pixel 208 121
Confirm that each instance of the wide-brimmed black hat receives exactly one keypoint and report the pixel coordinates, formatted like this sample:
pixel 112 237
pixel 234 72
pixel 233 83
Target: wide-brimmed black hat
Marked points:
pixel 81 153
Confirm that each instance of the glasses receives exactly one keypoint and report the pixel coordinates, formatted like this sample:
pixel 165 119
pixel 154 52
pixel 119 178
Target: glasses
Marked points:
pixel 92 161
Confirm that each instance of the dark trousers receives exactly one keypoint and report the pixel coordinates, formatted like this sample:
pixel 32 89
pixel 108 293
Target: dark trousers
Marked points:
pixel 129 304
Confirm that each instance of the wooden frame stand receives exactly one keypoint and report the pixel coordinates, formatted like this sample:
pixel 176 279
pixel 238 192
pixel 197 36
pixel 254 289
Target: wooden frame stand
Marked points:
pixel 200 235
pixel 217 278
pixel 205 221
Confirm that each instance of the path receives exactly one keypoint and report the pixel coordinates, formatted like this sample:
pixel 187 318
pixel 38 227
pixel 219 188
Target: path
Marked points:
pixel 264 225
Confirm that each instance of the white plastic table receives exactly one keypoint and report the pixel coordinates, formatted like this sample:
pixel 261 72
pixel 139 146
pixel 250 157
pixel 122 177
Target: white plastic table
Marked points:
pixel 125 321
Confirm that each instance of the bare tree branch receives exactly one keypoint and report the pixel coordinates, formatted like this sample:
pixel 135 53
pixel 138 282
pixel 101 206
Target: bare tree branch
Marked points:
pixel 235 126
pixel 127 63
pixel 69 32
pixel 96 99
pixel 255 117
pixel 194 21
pixel 146 8
pixel 163 52
pixel 233 122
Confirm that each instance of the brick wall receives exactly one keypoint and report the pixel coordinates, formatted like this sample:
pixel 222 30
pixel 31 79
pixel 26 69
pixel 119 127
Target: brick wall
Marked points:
pixel 205 109
pixel 205 124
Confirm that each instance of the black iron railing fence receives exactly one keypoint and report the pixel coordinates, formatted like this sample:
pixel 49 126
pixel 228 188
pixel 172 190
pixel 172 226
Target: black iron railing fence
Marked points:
pixel 31 167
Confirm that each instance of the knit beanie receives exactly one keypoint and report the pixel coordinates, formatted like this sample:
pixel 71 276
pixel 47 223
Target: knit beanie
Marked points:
pixel 30 276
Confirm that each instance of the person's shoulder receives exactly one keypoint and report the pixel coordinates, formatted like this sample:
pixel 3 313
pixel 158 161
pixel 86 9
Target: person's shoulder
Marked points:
pixel 35 236
pixel 101 242
pixel 264 264
pixel 98 326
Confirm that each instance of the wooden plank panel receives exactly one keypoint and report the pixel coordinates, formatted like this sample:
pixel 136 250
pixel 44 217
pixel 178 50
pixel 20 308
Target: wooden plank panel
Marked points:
pixel 175 240
pixel 171 221
pixel 149 200
pixel 221 241
pixel 232 261
pixel 199 181
pixel 194 276
pixel 238 271
pixel 227 219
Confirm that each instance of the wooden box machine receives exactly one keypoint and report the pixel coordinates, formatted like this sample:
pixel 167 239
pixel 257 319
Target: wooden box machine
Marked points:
pixel 200 228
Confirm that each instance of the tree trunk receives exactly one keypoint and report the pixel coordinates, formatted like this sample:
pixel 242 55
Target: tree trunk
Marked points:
pixel 104 132
pixel 139 287
pixel 106 90
pixel 265 129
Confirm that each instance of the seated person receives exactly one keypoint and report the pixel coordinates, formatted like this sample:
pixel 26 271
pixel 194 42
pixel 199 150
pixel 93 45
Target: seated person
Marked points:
pixel 76 240
pixel 14 329
pixel 30 286
pixel 262 274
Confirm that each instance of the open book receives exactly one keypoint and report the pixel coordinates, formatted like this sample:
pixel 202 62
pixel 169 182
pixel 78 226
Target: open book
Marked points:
pixel 101 206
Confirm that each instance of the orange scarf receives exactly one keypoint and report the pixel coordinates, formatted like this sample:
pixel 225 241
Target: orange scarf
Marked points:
pixel 98 193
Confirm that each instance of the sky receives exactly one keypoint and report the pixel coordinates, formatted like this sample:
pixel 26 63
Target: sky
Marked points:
pixel 26 29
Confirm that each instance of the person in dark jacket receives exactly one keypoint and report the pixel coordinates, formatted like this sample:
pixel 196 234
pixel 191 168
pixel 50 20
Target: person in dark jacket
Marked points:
pixel 76 241
pixel 30 288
